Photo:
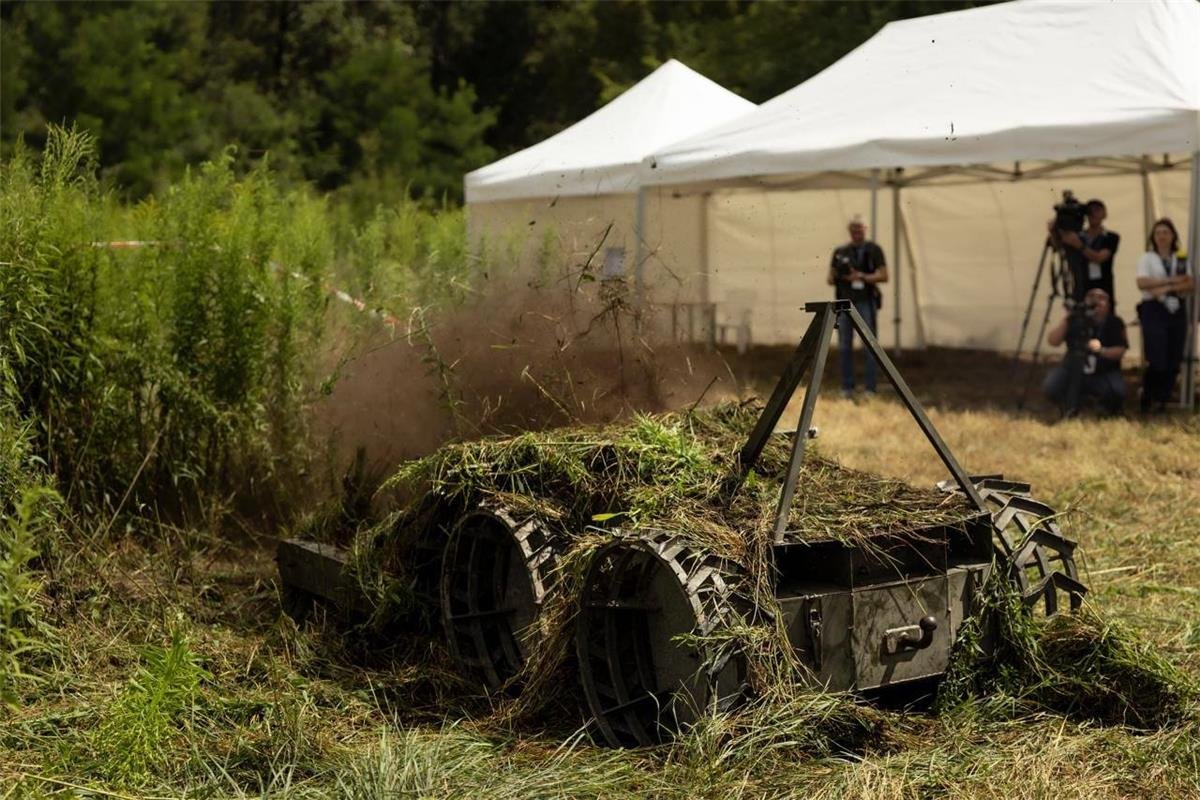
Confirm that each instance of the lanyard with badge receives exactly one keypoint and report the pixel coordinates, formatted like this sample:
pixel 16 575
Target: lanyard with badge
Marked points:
pixel 1171 269
pixel 852 258
pixel 860 254
pixel 1095 271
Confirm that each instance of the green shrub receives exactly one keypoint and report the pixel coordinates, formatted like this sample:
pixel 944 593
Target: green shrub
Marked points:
pixel 406 255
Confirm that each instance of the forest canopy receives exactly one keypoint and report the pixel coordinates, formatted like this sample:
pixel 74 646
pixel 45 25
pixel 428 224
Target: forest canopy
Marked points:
pixel 380 99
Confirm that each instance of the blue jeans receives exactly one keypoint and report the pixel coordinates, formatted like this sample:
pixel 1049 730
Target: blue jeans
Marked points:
pixel 866 310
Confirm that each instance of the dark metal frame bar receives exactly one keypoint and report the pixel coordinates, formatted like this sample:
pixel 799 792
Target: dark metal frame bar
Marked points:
pixel 813 350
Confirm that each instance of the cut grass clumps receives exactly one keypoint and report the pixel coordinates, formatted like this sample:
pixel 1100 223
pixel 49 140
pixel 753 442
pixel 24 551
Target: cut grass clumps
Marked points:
pixel 1094 667
pixel 674 472
pixel 795 726
pixel 1084 665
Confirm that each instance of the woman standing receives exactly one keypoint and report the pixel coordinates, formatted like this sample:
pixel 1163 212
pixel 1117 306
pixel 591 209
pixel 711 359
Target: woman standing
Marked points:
pixel 1162 277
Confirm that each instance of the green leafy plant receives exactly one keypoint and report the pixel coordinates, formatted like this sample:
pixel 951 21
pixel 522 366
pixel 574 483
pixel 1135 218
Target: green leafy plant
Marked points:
pixel 153 708
pixel 24 635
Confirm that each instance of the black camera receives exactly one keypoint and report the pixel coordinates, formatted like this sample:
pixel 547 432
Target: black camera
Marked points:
pixel 1080 318
pixel 1070 213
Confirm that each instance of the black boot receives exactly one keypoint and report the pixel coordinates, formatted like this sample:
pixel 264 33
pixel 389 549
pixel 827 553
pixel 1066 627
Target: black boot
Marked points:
pixel 1148 393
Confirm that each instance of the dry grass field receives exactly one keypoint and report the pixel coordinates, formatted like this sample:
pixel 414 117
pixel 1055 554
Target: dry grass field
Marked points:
pixel 176 676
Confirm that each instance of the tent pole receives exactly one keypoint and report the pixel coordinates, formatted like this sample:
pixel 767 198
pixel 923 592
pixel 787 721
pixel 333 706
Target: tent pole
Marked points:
pixel 705 289
pixel 1147 198
pixel 709 309
pixel 896 260
pixel 918 316
pixel 874 197
pixel 1188 400
pixel 639 229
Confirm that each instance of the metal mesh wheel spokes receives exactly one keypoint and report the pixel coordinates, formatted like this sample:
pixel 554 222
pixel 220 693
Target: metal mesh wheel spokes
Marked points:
pixel 641 601
pixel 1039 559
pixel 496 573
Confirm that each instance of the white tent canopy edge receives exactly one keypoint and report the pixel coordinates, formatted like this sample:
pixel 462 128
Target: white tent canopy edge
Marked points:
pixel 603 153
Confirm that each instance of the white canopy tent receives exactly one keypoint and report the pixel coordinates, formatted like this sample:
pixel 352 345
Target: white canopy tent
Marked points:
pixel 577 191
pixel 1081 89
pixel 602 153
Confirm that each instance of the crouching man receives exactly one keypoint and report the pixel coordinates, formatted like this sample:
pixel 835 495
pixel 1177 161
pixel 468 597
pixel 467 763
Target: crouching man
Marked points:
pixel 1095 340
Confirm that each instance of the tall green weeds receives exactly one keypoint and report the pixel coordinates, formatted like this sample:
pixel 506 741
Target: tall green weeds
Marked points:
pixel 174 376
pixel 405 255
pixel 170 375
pixel 28 524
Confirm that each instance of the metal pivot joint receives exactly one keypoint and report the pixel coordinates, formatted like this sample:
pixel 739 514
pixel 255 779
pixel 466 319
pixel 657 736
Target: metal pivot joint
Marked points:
pixel 812 352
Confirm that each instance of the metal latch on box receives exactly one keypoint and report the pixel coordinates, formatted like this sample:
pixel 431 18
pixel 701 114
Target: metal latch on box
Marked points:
pixel 814 635
pixel 910 637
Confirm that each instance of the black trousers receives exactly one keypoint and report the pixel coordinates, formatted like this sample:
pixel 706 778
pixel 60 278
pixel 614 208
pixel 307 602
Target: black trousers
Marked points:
pixel 1107 387
pixel 1163 337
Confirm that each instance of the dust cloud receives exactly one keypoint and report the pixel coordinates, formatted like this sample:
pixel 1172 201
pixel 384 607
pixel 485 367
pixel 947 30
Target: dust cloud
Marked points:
pixel 518 356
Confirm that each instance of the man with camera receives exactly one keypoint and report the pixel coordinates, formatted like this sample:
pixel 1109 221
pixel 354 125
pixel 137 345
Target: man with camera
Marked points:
pixel 855 271
pixel 1095 340
pixel 1089 252
pixel 1095 248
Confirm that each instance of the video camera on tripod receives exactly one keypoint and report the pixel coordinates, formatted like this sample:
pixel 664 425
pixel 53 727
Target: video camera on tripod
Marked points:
pixel 1069 216
pixel 1081 320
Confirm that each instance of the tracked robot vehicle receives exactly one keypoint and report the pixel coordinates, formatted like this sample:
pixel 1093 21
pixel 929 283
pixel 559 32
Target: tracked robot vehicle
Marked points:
pixel 864 614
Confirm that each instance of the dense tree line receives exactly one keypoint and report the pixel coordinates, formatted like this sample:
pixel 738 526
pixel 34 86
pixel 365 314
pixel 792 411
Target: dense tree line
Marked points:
pixel 376 99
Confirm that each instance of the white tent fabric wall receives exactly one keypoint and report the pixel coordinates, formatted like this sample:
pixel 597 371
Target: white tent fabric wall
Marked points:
pixel 770 251
pixel 525 232
pixel 974 252
pixel 980 246
pixel 539 237
pixel 974 249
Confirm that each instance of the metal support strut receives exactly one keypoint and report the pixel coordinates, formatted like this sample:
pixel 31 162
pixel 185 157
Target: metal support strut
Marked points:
pixel 813 350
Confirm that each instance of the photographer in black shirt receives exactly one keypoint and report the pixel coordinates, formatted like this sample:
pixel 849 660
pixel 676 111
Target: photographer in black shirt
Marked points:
pixel 855 271
pixel 1096 341
pixel 1090 253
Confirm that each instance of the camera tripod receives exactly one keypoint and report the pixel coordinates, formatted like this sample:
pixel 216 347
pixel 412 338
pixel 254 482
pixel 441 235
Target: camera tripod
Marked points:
pixel 1061 286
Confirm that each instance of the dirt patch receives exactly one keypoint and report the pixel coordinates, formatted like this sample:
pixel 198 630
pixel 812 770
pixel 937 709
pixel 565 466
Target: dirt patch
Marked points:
pixel 942 376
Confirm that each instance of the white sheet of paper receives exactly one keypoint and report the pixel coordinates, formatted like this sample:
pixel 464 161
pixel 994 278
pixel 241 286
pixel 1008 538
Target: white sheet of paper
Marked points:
pixel 1093 271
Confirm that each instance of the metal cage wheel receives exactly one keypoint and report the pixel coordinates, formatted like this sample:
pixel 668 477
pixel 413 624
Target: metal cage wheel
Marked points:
pixel 647 670
pixel 496 572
